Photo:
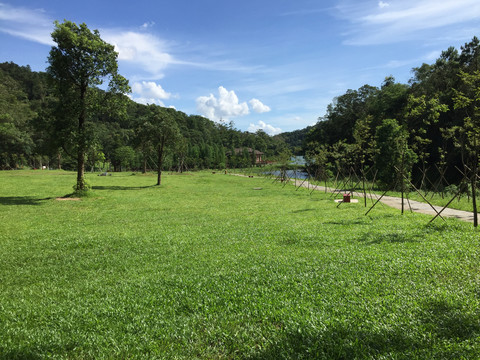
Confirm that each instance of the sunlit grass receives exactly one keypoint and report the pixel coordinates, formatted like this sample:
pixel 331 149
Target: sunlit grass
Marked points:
pixel 218 266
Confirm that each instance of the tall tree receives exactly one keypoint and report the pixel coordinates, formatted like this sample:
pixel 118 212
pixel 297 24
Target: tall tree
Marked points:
pixel 468 100
pixel 80 62
pixel 163 132
pixel 392 152
pixel 421 114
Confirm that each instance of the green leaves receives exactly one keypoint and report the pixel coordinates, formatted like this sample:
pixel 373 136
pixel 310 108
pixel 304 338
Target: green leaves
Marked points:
pixel 80 61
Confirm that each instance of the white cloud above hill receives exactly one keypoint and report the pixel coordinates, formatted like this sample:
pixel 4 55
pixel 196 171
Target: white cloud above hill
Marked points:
pixel 141 49
pixel 149 92
pixel 225 106
pixel 258 106
pixel 269 129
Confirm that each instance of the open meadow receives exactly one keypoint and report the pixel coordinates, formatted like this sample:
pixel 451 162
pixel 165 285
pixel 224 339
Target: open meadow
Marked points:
pixel 213 266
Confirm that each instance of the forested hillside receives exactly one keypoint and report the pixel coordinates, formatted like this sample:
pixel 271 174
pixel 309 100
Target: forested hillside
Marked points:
pixel 429 127
pixel 30 137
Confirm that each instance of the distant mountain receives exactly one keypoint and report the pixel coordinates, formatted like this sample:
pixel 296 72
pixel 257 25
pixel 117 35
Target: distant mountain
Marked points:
pixel 295 139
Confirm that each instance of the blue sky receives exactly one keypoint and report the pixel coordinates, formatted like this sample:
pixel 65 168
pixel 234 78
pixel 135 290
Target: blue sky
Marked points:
pixel 264 64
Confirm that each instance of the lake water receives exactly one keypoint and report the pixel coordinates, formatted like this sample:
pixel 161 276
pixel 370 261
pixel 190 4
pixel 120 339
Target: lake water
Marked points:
pixel 291 174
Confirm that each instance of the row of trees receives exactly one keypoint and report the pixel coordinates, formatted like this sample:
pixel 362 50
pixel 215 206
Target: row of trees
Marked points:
pixel 424 127
pixel 61 118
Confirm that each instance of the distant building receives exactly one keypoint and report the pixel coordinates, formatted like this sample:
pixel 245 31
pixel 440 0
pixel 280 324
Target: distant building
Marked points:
pixel 258 154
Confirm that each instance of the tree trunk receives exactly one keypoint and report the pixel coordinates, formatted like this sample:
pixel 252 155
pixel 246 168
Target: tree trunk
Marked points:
pixel 160 161
pixel 144 164
pixel 474 184
pixel 80 170
pixel 59 159
pixel 474 199
pixel 81 142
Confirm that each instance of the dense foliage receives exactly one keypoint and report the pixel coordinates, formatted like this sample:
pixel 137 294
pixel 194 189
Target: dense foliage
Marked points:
pixel 33 135
pixel 433 121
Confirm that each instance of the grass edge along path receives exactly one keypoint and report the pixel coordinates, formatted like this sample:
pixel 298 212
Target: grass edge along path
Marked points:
pixel 396 202
pixel 392 201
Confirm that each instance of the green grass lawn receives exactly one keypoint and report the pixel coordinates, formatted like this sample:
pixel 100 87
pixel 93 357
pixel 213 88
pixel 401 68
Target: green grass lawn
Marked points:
pixel 209 267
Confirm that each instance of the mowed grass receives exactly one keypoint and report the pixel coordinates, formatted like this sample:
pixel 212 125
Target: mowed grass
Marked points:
pixel 210 267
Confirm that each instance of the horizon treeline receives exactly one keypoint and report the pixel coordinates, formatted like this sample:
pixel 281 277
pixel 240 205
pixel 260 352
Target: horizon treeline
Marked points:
pixel 29 137
pixel 428 127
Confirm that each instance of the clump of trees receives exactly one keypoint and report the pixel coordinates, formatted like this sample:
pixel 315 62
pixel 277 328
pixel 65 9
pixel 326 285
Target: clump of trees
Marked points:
pixel 425 132
pixel 430 122
pixel 61 119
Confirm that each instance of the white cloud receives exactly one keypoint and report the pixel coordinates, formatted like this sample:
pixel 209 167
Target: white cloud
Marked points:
pixel 33 25
pixel 149 92
pixel 403 20
pixel 147 101
pixel 224 107
pixel 148 24
pixel 258 106
pixel 150 89
pixel 143 50
pixel 269 129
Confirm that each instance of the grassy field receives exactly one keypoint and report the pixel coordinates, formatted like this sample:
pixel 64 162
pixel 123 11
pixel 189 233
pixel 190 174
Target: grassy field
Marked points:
pixel 212 267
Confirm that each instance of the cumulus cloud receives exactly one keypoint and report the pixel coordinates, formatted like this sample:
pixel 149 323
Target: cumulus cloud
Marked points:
pixel 33 25
pixel 269 129
pixel 393 22
pixel 149 92
pixel 258 106
pixel 150 89
pixel 224 107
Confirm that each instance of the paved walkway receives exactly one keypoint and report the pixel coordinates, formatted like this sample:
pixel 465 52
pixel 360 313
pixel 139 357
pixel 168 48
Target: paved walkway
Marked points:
pixel 396 203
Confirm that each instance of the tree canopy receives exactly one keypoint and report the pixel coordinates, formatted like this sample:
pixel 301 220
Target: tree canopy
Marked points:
pixel 80 62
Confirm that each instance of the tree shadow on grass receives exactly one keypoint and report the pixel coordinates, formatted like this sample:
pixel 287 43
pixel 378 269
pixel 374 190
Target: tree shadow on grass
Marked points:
pixel 122 187
pixel 337 342
pixel 21 200
pixel 20 355
pixel 301 210
pixel 449 321
pixel 39 351
pixel 393 237
pixel 362 221
pixel 452 332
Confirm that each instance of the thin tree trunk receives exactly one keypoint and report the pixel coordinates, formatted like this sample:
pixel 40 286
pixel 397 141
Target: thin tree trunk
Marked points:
pixel 474 200
pixel 80 169
pixel 81 142
pixel 474 184
pixel 160 161
pixel 403 181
